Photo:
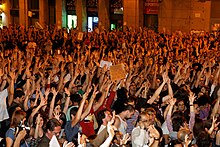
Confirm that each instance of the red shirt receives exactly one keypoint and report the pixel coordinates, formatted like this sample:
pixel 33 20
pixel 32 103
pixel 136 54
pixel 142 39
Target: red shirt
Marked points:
pixel 88 125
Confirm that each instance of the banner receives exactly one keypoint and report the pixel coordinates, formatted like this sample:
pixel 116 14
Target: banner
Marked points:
pixel 151 7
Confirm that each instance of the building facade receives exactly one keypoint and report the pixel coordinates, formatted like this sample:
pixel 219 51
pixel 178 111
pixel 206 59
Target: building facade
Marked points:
pixel 161 15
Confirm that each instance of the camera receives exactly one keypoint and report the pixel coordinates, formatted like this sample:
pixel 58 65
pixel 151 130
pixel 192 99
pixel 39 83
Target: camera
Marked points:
pixel 21 127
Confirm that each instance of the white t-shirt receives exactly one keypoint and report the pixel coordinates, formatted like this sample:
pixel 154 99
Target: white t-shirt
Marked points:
pixel 3 107
pixel 102 127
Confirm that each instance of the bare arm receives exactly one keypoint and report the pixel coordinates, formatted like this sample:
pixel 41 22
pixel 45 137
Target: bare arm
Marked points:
pixel 157 92
pixel 52 102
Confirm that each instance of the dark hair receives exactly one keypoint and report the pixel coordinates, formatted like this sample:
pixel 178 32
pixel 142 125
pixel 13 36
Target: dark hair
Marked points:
pixel 34 120
pixel 75 98
pixel 18 93
pixel 203 139
pixel 100 116
pixel 129 108
pixel 63 118
pixel 198 127
pixel 52 123
pixel 177 122
pixel 73 111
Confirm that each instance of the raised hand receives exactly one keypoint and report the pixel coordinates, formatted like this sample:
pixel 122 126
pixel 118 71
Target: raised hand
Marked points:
pixel 67 91
pixel 54 91
pixel 172 101
pixel 43 101
pixel 192 97
pixel 56 115
pixel 165 77
pixel 70 144
pixel 153 132
pixel 47 92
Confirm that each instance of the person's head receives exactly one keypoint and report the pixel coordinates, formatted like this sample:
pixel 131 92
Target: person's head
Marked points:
pixel 53 127
pixel 103 117
pixel 143 116
pixel 62 119
pixel 178 122
pixel 73 112
pixel 118 136
pixel 57 108
pixel 19 96
pixel 180 105
pixel 128 111
pixel 151 113
pixel 196 108
pixel 132 87
pixel 17 117
pixel 182 134
pixel 203 139
pixel 35 121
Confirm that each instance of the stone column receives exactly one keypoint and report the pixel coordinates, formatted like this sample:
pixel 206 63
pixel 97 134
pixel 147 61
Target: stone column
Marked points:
pixel 43 12
pixel 58 10
pixel 6 11
pixel 23 12
pixel 81 13
pixel 165 16
pixel 103 13
pixel 132 13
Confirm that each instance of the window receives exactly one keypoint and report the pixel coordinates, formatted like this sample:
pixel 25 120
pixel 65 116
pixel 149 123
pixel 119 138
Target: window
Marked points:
pixel 14 4
pixel 33 4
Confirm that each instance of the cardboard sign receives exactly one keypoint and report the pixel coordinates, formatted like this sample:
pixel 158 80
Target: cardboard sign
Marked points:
pixel 38 25
pixel 117 72
pixel 107 63
pixel 80 36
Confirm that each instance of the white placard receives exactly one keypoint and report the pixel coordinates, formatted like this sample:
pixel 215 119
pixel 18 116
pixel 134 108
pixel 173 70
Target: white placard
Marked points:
pixel 54 142
pixel 107 63
pixel 80 36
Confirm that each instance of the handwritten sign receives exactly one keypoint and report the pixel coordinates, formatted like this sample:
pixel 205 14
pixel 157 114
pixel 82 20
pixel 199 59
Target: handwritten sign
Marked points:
pixel 80 36
pixel 117 72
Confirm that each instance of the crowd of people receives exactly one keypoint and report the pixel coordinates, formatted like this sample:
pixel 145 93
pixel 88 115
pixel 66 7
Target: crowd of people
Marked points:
pixel 53 90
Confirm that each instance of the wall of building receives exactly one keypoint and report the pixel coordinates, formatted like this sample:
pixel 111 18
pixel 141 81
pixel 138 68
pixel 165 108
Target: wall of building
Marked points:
pixel 184 15
pixel 215 13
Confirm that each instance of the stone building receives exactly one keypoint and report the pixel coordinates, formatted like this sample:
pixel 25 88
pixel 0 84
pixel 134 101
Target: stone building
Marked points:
pixel 161 15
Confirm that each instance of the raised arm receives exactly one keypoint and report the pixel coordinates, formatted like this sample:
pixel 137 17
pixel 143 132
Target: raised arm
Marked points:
pixel 67 101
pixel 192 113
pixel 215 109
pixel 157 92
pixel 168 118
pixel 52 102
pixel 86 112
pixel 79 112
pixel 11 88
pixel 104 95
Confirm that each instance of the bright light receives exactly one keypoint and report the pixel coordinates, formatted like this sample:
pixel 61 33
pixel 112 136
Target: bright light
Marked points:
pixel 72 21
pixel 90 23
pixel 3 19
pixel 2 6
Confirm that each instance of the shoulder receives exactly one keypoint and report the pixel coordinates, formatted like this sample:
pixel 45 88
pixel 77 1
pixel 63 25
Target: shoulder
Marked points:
pixel 10 133
pixel 44 142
